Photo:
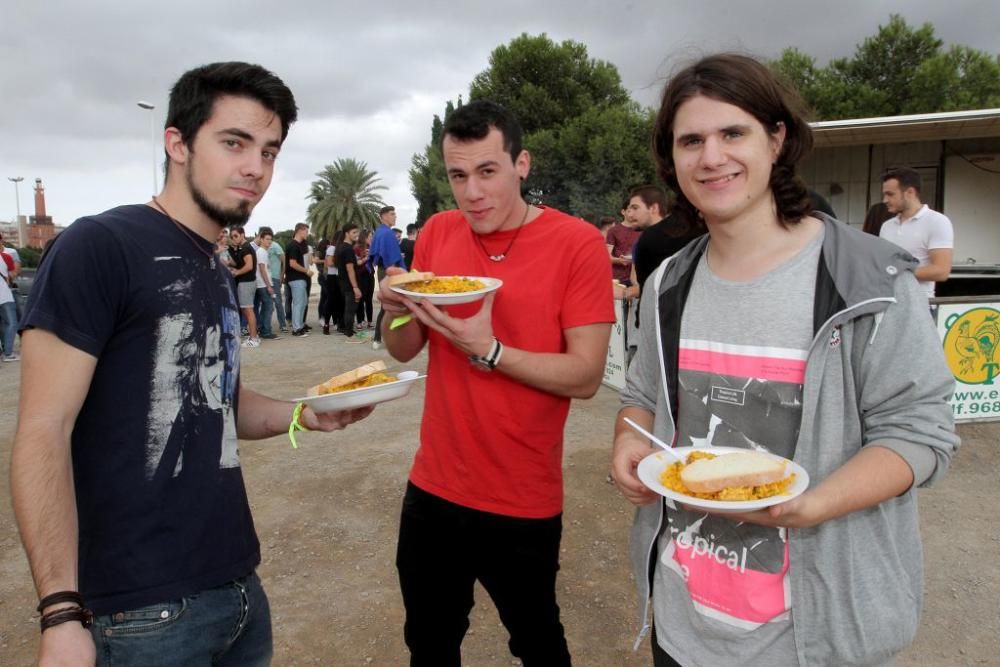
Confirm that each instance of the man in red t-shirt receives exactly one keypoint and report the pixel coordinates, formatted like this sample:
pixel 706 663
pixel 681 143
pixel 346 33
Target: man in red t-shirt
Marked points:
pixel 484 499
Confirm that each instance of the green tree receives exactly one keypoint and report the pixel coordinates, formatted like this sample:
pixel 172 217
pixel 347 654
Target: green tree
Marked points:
pixel 428 178
pixel 344 192
pixel 588 141
pixel 544 83
pixel 961 78
pixel 899 70
pixel 29 256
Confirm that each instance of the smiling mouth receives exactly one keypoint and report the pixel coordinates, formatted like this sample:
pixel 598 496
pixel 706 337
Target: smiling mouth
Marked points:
pixel 719 180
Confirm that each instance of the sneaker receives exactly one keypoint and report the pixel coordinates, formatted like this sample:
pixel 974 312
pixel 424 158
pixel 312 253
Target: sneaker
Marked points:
pixel 284 329
pixel 251 342
pixel 244 332
pixel 326 329
pixel 301 333
pixel 306 327
pixel 356 338
pixel 270 336
pixel 376 345
pixel 13 357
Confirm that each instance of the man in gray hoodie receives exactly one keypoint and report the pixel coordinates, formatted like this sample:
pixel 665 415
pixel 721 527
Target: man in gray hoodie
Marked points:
pixel 785 330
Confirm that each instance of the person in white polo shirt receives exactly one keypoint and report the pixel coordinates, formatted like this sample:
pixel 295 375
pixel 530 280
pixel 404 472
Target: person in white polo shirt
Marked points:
pixel 925 234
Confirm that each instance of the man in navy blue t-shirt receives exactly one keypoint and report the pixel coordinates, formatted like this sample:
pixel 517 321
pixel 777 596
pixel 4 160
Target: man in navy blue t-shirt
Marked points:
pixel 125 473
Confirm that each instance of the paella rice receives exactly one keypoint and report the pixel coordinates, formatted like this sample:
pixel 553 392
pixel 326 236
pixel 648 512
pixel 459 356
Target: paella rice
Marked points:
pixel 445 285
pixel 671 479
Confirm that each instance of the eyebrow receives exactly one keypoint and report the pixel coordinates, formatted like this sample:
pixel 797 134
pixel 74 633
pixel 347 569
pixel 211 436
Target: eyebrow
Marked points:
pixel 729 128
pixel 481 165
pixel 236 132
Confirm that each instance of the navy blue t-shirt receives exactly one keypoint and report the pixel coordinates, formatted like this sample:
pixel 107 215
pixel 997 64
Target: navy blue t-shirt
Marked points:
pixel 162 508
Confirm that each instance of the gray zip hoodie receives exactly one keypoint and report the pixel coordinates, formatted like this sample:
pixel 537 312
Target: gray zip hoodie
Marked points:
pixel 875 375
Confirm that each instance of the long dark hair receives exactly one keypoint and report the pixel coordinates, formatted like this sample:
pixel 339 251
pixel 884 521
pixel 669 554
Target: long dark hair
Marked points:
pixel 748 84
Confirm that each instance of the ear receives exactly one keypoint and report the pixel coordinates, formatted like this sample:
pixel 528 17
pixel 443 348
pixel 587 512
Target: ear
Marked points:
pixel 777 139
pixel 522 165
pixel 173 144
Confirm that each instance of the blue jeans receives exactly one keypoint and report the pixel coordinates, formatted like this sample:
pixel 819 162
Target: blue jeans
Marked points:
pixel 8 326
pixel 299 295
pixel 228 625
pixel 278 303
pixel 264 311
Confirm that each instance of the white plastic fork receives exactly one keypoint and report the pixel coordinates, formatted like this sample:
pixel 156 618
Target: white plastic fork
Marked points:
pixel 654 439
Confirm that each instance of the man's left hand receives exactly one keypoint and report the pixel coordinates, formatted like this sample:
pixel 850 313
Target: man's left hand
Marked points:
pixel 472 336
pixel 332 421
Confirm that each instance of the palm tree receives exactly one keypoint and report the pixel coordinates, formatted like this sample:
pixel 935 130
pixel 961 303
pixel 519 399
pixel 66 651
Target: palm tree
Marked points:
pixel 344 192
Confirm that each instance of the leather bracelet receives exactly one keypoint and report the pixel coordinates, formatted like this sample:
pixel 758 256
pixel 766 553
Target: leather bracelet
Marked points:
pixel 84 616
pixel 56 598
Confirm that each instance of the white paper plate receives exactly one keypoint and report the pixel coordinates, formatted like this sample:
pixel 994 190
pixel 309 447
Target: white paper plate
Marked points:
pixel 358 398
pixel 651 467
pixel 452 299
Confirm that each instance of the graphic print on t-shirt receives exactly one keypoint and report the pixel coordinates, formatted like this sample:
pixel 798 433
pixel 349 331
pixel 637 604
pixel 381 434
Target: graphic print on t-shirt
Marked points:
pixel 182 359
pixel 735 396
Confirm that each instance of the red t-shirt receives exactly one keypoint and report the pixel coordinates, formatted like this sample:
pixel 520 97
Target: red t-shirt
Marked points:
pixel 622 239
pixel 7 259
pixel 487 441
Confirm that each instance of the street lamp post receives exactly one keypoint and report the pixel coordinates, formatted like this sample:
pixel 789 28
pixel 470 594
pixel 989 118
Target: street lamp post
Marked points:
pixel 152 133
pixel 17 201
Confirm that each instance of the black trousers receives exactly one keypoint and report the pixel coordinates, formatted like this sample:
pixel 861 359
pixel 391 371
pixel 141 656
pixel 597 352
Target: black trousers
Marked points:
pixel 331 303
pixel 444 548
pixel 347 320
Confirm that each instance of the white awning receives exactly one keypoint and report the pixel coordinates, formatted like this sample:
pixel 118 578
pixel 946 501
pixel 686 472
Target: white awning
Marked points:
pixel 900 129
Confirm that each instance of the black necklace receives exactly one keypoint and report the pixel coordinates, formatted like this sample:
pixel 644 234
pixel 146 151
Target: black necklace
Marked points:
pixel 210 255
pixel 503 255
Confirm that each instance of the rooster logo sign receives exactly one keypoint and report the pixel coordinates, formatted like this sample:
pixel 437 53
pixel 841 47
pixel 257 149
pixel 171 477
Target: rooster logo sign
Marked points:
pixel 970 345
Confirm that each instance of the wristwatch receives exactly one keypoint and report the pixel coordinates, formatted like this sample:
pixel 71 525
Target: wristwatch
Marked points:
pixel 490 360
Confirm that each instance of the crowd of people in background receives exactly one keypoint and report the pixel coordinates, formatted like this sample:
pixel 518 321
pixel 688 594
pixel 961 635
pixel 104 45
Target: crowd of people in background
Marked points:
pixel 273 284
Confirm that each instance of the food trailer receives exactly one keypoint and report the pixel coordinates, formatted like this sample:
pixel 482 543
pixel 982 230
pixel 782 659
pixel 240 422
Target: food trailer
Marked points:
pixel 958 157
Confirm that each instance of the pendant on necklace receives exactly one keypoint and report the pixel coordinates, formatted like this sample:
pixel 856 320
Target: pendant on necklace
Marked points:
pixel 497 258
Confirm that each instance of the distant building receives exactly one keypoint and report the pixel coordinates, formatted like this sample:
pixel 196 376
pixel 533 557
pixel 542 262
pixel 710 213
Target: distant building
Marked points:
pixel 40 228
pixel 11 232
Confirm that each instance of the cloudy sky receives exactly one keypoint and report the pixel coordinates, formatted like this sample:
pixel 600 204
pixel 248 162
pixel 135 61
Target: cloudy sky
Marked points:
pixel 368 76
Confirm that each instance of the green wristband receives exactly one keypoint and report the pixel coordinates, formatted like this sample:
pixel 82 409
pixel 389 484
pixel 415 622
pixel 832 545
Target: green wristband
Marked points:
pixel 295 425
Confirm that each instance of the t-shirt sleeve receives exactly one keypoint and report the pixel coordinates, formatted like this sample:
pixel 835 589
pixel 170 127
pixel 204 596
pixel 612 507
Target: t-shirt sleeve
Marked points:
pixel 942 234
pixel 80 290
pixel 588 298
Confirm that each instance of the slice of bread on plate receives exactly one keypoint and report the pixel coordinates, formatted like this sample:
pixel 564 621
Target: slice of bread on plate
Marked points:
pixel 350 377
pixel 728 470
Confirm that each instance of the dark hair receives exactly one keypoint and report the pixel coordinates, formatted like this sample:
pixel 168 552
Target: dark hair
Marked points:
pixel 907 177
pixel 338 237
pixel 474 121
pixel 349 227
pixel 193 97
pixel 386 209
pixel 748 84
pixel 265 231
pixel 238 229
pixel 606 221
pixel 410 228
pixel 299 226
pixel 650 194
pixel 321 248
